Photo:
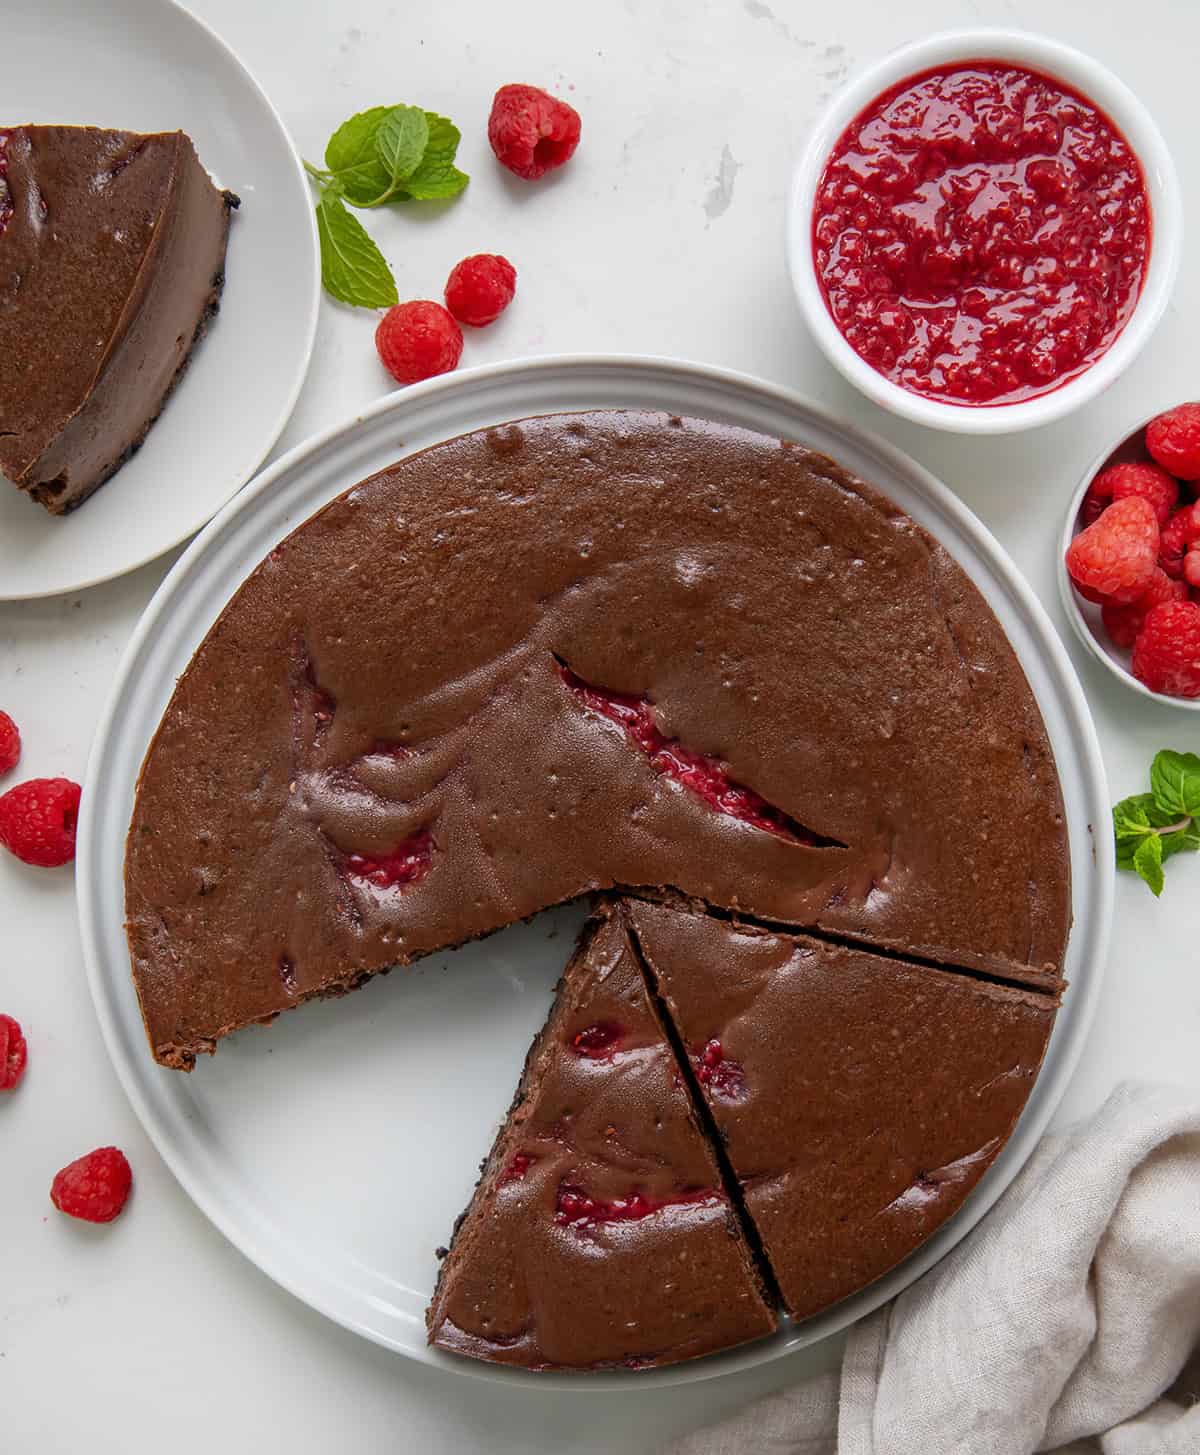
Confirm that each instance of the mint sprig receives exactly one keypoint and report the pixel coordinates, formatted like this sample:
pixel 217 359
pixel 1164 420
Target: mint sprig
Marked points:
pixel 382 155
pixel 1151 827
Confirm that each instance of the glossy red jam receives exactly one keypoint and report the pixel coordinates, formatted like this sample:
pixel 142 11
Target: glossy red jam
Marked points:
pixel 981 234
pixel 517 1167
pixel 408 862
pixel 723 1076
pixel 574 1208
pixel 597 1042
pixel 702 775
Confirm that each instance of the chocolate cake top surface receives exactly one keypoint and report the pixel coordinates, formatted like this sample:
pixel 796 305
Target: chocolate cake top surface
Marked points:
pixel 600 1232
pixel 859 1098
pixel 575 652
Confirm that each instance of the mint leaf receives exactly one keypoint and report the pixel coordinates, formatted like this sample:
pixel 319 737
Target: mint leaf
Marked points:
pixel 353 159
pixel 1131 817
pixel 1148 862
pixel 1175 782
pixel 401 142
pixel 437 176
pixel 352 267
pixel 1181 840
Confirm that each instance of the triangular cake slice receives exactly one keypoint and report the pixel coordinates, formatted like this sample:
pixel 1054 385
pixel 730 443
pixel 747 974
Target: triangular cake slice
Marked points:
pixel 112 256
pixel 859 1098
pixel 600 1233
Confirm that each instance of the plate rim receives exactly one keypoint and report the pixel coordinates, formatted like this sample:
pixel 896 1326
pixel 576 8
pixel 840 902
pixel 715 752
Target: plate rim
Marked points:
pixel 304 359
pixel 1052 1082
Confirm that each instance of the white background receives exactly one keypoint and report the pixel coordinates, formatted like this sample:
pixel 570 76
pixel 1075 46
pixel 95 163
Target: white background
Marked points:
pixel 664 235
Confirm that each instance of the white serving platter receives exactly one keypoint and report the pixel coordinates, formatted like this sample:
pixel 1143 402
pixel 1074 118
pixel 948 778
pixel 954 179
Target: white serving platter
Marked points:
pixel 336 1148
pixel 148 65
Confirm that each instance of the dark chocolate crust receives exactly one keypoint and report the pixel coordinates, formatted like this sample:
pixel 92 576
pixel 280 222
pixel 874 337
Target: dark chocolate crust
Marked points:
pixel 112 256
pixel 393 668
pixel 863 1098
pixel 522 1285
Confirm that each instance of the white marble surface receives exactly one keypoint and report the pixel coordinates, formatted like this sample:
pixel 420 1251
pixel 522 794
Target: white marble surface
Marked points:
pixel 664 236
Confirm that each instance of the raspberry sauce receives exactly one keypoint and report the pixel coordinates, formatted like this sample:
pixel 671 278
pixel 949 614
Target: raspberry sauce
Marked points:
pixel 597 1042
pixel 981 233
pixel 723 1076
pixel 408 862
pixel 574 1208
pixel 702 775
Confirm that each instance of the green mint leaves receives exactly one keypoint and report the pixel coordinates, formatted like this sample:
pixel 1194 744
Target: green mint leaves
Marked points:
pixel 385 154
pixel 353 269
pixel 1151 827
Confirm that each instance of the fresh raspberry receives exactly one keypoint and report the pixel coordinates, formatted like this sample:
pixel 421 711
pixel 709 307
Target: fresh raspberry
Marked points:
pixel 12 1053
pixel 1191 568
pixel 10 744
pixel 1096 500
pixel 95 1187
pixel 1151 482
pixel 1123 623
pixel 480 288
pixel 1166 655
pixel 531 131
pixel 1174 441
pixel 1116 556
pixel 417 340
pixel 1179 532
pixel 37 821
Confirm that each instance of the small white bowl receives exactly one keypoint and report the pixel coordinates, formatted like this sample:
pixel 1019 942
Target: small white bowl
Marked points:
pixel 1084 616
pixel 1082 73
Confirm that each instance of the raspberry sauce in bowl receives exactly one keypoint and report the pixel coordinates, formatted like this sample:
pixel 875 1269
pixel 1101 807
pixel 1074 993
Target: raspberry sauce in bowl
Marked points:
pixel 981 233
pixel 984 230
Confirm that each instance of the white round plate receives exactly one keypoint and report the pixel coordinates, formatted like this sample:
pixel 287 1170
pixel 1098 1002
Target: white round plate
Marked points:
pixel 147 65
pixel 337 1148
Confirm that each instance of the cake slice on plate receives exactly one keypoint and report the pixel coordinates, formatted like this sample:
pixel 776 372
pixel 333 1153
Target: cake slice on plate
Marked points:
pixel 859 1098
pixel 600 1232
pixel 112 259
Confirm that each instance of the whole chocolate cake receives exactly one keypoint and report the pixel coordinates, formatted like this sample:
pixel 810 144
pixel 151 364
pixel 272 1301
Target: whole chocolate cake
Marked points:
pixel 112 259
pixel 573 653
pixel 716 676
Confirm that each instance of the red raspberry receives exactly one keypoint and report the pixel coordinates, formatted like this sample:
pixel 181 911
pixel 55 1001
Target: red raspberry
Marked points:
pixel 1151 482
pixel 37 821
pixel 1166 656
pixel 1096 500
pixel 1116 556
pixel 417 340
pixel 95 1187
pixel 1191 568
pixel 12 1053
pixel 480 288
pixel 10 744
pixel 531 131
pixel 1174 441
pixel 1122 623
pixel 1179 532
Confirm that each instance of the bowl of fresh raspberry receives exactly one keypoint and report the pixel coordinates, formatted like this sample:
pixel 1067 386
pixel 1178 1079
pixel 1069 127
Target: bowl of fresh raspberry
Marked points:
pixel 984 229
pixel 1129 558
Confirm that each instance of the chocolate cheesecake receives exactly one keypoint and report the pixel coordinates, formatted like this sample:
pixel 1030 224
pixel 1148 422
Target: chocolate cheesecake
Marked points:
pixel 112 259
pixel 858 1098
pixel 600 1233
pixel 579 652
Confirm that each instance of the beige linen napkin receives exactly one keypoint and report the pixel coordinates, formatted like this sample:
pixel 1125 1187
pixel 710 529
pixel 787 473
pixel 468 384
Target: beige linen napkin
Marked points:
pixel 1063 1322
